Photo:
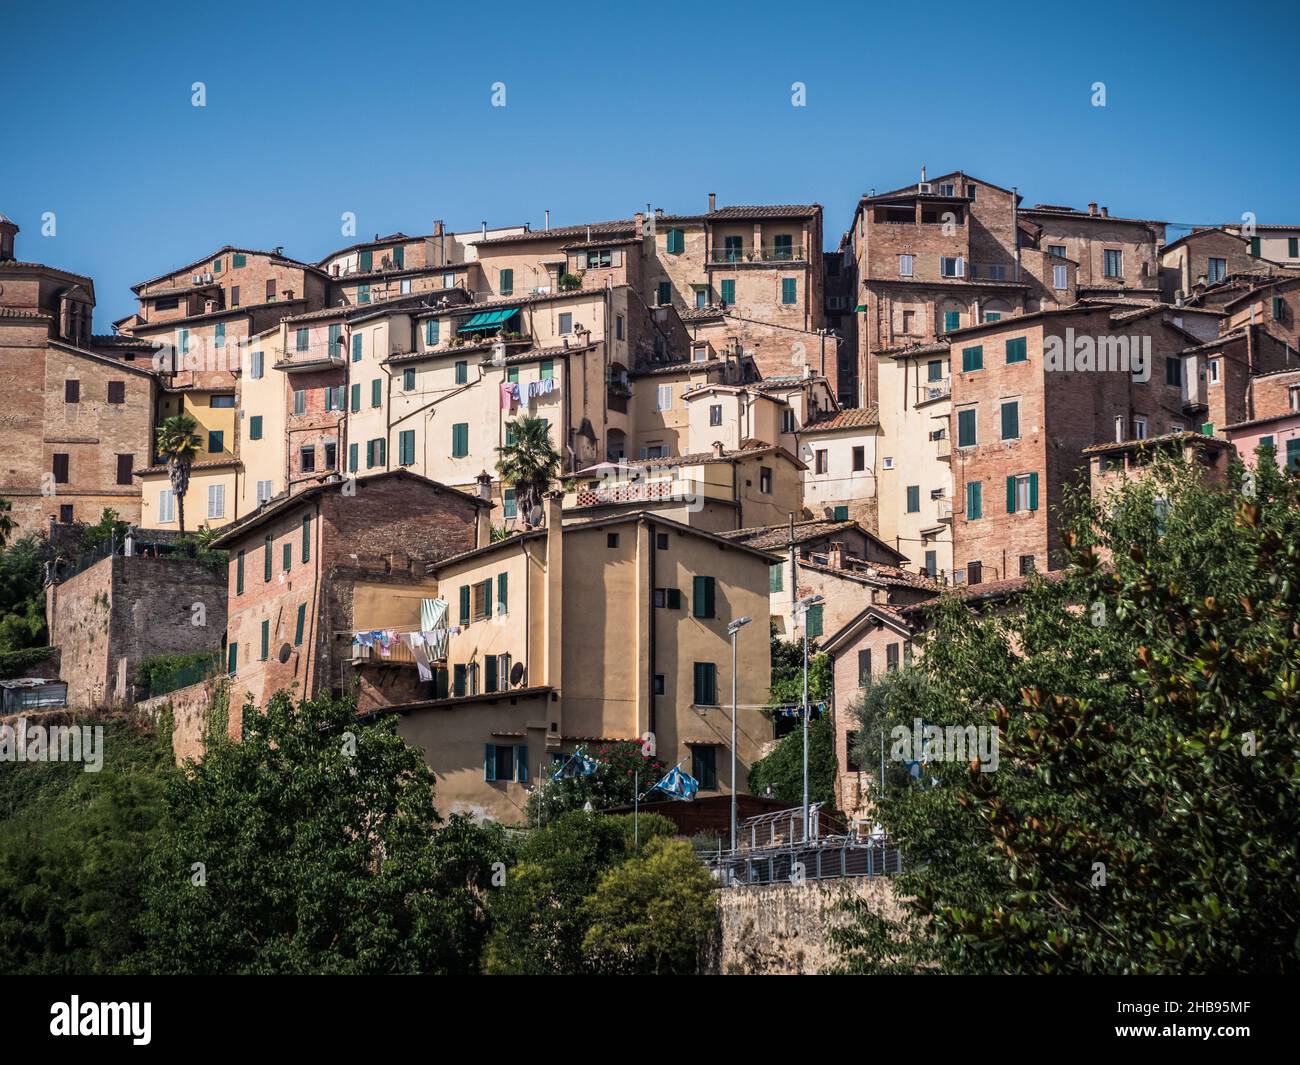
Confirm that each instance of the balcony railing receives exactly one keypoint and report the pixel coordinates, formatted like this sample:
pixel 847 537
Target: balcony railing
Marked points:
pixel 774 254
pixel 319 351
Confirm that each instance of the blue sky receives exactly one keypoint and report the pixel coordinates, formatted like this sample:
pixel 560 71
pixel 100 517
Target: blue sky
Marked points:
pixel 384 109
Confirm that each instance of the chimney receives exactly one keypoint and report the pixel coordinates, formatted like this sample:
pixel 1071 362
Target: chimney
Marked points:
pixel 483 515
pixel 1105 212
pixel 437 227
pixel 837 555
pixel 548 219
pixel 638 223
pixel 718 449
pixel 1092 209
pixel 8 231
pixel 553 510
pixel 922 175
pixel 713 202
pixel 659 212
pixel 484 229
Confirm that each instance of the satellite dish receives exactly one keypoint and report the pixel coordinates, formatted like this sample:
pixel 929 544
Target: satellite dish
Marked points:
pixel 285 651
pixel 535 516
pixel 517 674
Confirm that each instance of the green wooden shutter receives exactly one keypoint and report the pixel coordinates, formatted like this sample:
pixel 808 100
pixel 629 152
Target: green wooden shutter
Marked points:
pixel 356 398
pixel 356 347
pixel 336 334
pixel 464 604
pixel 268 544
pixel 503 592
pixel 352 458
pixel 1033 491
pixel 255 427
pixel 974 500
pixel 399 257
pixel 232 658
pixel 951 321
pixel 266 638
pixel 1010 421
pixel 728 293
pixel 972 358
pixel 440 684
pixel 521 763
pixel 306 539
pixel 239 572
pixel 1254 247
pixel 546 370
pixel 815 620
pixel 789 290
pixel 1293 247
pixel 487 598
pixel 489 750
pixel 702 600
pixel 301 625
pixel 376 392
pixel 490 673
pixel 367 262
pixel 507 282
pixel 1011 495
pixel 775 576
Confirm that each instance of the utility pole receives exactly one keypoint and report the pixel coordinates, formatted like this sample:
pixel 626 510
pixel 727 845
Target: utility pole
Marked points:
pixel 803 606
pixel 732 630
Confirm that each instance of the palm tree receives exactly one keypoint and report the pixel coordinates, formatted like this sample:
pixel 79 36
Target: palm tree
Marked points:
pixel 529 462
pixel 177 444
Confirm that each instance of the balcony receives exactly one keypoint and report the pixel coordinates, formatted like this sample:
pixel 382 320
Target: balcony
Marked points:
pixel 318 355
pixel 750 255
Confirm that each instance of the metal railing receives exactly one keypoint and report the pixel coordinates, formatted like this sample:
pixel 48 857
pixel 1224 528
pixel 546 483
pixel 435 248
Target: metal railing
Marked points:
pixel 830 858
pixel 319 351
pixel 764 254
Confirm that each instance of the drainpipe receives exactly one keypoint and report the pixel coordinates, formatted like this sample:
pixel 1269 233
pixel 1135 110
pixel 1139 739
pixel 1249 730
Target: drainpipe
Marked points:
pixel 650 599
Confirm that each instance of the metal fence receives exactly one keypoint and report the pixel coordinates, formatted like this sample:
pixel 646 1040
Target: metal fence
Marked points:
pixel 831 858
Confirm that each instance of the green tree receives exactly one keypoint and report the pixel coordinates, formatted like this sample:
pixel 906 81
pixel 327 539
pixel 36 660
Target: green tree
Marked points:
pixel 22 593
pixel 1144 813
pixel 530 462
pixel 782 768
pixel 177 444
pixel 7 524
pixel 309 847
pixel 652 915
pixel 787 673
pixel 538 917
pixel 73 850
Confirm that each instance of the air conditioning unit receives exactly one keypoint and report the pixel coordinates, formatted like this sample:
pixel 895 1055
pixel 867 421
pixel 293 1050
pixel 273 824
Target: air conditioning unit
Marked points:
pixel 198 279
pixel 889 462
pixel 207 279
pixel 924 187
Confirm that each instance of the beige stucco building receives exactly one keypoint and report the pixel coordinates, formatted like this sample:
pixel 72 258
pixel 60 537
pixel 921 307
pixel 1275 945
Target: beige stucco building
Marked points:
pixel 614 629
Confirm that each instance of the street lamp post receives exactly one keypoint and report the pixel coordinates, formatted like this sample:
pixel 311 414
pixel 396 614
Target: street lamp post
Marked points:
pixel 732 629
pixel 804 606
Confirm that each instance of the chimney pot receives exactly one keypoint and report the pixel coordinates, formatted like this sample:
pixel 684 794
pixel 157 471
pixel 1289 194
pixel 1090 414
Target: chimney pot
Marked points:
pixel 713 202
pixel 718 449
pixel 1105 212
pixel 437 228
pixel 639 224
pixel 1092 208
pixel 484 480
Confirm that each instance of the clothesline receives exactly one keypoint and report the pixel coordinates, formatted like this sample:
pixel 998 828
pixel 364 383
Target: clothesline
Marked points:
pixel 513 393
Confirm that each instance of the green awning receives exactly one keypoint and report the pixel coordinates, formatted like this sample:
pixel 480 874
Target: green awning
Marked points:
pixel 860 308
pixel 488 320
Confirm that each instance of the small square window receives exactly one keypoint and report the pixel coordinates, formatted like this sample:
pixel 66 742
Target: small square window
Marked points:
pixel 611 539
